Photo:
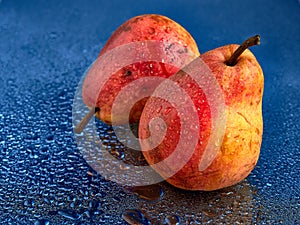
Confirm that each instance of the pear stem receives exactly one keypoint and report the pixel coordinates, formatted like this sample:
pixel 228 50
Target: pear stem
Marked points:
pixel 82 124
pixel 255 40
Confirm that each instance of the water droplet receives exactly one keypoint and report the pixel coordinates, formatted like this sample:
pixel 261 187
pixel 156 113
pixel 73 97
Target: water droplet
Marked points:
pixel 172 220
pixel 87 214
pixel 50 138
pixel 42 222
pixel 29 203
pixel 168 29
pixel 190 85
pixel 168 110
pixel 69 214
pixel 159 109
pixel 134 216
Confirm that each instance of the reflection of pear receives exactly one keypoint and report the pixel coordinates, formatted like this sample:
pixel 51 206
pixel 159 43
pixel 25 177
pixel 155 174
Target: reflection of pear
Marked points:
pixel 227 206
pixel 141 28
pixel 241 80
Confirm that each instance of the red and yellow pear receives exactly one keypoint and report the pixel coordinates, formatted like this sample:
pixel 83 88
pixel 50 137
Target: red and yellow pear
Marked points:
pixel 150 27
pixel 240 78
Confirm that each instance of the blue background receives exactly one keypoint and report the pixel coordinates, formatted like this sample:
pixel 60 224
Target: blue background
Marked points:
pixel 45 47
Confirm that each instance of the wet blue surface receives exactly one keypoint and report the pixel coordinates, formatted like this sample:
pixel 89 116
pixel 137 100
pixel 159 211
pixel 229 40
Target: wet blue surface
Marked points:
pixel 45 47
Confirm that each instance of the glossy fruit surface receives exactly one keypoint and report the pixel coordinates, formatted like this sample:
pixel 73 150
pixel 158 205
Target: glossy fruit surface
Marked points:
pixel 168 37
pixel 242 86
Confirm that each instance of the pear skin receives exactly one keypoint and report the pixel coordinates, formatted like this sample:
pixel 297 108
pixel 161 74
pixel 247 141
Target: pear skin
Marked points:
pixel 150 27
pixel 242 84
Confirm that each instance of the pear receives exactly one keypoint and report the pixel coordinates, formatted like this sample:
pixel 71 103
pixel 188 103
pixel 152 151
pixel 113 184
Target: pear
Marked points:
pixel 139 29
pixel 240 78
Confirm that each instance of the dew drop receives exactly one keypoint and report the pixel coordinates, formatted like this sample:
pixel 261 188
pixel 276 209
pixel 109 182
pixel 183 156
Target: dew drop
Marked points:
pixel 69 214
pixel 94 205
pixel 159 109
pixel 168 29
pixel 190 85
pixel 134 216
pixel 42 222
pixel 168 110
pixel 87 214
pixel 172 220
